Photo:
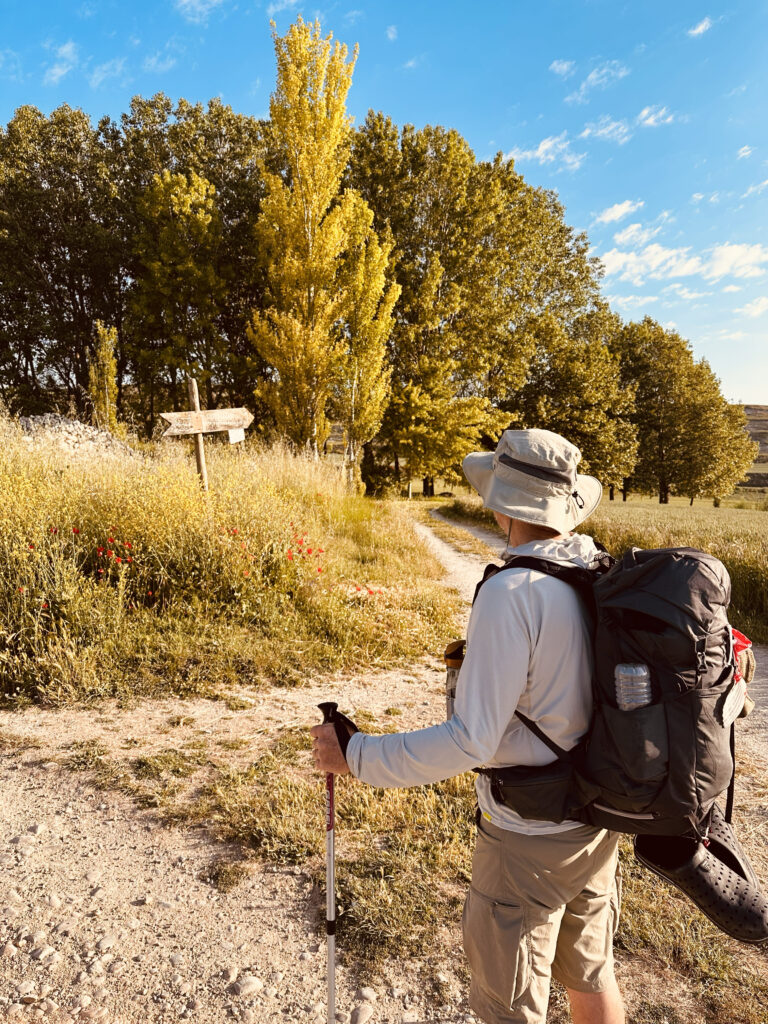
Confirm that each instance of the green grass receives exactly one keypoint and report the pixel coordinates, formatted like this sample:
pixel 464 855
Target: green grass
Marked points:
pixel 738 537
pixel 123 579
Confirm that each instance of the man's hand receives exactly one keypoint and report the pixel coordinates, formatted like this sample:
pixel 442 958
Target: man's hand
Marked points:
pixel 326 750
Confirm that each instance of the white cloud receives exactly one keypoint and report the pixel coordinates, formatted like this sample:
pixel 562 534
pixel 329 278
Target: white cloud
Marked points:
pixel 159 63
pixel 10 65
pixel 632 301
pixel 274 8
pixel 703 26
pixel 352 16
pixel 66 60
pixel 745 151
pixel 411 64
pixel 599 78
pixel 659 262
pixel 198 10
pixel 697 197
pixel 392 33
pixel 619 210
pixel 685 293
pixel 736 260
pixel 606 128
pixel 755 308
pixel 652 117
pixel 635 234
pixel 110 69
pixel 553 149
pixel 654 261
pixel 756 189
pixel 732 288
pixel 564 68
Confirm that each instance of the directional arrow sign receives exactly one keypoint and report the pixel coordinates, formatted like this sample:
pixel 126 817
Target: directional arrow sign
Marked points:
pixel 209 421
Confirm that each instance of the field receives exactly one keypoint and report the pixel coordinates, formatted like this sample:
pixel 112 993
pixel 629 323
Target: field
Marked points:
pixel 737 536
pixel 121 578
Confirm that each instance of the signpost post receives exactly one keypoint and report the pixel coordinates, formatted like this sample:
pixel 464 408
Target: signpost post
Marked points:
pixel 205 421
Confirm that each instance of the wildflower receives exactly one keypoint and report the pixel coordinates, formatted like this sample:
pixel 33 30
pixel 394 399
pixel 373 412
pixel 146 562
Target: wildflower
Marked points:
pixel 234 532
pixel 128 545
pixel 319 568
pixel 379 591
pixel 110 540
pixel 101 572
pixel 309 551
pixel 100 551
pixel 321 551
pixel 242 544
pixel 289 556
pixel 31 547
pixel 53 529
pixel 21 590
pixel 369 590
pixel 45 604
pixel 358 588
pixel 246 573
pixel 110 553
pixel 129 559
pixel 118 559
pixel 75 529
pixel 149 593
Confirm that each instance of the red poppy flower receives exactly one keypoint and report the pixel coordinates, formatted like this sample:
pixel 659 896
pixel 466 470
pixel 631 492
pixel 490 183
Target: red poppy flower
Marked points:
pixel 110 553
pixel 101 572
pixel 129 559
pixel 127 545
pixel 75 530
pixel 45 604
pixel 370 591
pixel 54 529
pixel 100 551
pixel 289 556
pixel 246 573
pixel 31 547
pixel 149 593
pixel 21 590
pixel 118 559
pixel 309 551
pixel 319 568
pixel 111 540
pixel 234 532
pixel 358 588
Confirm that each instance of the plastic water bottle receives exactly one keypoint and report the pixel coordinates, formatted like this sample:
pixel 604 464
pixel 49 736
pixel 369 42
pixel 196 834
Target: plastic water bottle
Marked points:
pixel 633 686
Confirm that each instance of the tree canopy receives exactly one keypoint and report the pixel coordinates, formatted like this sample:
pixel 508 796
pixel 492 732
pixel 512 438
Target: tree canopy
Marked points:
pixel 380 278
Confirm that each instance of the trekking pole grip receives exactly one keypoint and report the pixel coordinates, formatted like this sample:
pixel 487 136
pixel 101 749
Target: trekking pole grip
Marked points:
pixel 329 709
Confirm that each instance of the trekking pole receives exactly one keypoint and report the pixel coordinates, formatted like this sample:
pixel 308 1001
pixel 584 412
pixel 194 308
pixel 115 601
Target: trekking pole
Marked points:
pixel 329 709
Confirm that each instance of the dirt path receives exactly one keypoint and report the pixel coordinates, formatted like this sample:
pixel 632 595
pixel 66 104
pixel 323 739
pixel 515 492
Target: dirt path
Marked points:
pixel 108 915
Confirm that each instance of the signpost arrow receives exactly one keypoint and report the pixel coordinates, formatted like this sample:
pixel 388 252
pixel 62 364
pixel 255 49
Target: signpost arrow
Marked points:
pixel 199 421
pixel 207 421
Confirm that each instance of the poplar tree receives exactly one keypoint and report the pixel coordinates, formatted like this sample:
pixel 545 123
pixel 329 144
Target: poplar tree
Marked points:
pixel 323 327
pixel 102 378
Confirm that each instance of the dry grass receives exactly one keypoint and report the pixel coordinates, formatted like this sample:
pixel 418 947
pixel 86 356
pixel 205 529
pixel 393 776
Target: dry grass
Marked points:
pixel 124 579
pixel 738 537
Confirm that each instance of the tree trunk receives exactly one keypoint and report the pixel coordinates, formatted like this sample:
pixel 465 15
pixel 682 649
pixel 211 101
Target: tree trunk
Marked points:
pixel 611 494
pixel 428 487
pixel 691 500
pixel 624 490
pixel 410 488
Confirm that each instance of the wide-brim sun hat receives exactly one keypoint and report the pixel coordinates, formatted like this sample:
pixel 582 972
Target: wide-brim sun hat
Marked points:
pixel 532 477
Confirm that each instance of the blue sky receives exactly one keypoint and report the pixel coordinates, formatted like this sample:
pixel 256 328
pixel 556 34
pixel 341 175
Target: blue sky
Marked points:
pixel 648 118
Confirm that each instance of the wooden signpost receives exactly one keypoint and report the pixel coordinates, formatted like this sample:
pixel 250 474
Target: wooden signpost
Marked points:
pixel 199 421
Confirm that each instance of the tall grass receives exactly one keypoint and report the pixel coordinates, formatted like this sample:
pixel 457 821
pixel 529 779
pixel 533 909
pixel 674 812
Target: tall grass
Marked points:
pixel 122 577
pixel 738 537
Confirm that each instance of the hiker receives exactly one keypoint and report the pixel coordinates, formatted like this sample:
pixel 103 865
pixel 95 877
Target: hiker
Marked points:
pixel 544 897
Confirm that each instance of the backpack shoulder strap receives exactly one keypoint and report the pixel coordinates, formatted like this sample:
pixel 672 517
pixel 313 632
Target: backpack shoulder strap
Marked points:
pixel 559 752
pixel 578 577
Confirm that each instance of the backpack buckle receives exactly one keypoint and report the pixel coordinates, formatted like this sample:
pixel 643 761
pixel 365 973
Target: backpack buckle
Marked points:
pixel 701 656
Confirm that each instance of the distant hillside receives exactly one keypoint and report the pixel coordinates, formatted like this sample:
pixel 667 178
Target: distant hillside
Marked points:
pixel 757 427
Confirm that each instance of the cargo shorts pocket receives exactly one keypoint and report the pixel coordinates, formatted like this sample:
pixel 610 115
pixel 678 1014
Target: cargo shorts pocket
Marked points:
pixel 497 947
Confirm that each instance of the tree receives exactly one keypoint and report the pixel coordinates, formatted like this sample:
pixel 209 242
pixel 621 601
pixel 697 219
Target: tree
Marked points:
pixel 307 233
pixel 102 379
pixel 689 440
pixel 478 254
pixel 178 295
pixel 60 253
pixel 574 387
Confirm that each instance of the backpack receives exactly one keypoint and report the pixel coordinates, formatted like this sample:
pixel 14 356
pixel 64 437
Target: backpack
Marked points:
pixel 656 769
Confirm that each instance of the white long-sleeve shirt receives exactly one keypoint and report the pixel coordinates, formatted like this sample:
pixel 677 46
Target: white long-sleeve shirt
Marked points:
pixel 528 648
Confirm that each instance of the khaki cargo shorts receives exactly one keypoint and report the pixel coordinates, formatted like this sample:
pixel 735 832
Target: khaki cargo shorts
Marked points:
pixel 539 906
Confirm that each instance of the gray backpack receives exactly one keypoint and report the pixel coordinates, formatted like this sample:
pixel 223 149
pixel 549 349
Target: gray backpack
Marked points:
pixel 656 769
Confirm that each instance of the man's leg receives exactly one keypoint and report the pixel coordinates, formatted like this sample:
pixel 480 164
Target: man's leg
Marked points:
pixel 604 1007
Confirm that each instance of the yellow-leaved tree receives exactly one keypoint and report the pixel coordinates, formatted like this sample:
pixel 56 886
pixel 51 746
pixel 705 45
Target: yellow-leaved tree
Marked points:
pixel 328 309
